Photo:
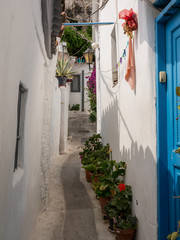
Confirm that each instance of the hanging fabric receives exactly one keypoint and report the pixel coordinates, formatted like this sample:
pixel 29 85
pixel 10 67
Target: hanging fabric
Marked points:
pixel 130 71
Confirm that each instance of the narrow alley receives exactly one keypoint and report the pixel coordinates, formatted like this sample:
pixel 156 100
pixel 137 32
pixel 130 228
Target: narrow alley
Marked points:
pixel 74 213
pixel 90 120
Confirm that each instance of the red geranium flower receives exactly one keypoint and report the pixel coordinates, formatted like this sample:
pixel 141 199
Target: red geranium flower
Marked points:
pixel 121 187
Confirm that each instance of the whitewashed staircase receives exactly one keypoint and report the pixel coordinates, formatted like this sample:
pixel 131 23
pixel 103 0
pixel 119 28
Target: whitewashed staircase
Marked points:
pixel 79 126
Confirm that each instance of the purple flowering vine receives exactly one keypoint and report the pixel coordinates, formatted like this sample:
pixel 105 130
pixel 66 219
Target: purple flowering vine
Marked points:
pixel 91 84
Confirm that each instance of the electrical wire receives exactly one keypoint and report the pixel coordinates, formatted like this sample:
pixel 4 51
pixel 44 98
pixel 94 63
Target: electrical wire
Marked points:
pixel 80 49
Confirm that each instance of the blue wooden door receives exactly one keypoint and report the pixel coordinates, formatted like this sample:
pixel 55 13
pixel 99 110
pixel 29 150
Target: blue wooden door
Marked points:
pixel 173 125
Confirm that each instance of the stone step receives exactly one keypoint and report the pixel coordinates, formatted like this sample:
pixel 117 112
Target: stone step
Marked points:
pixel 81 126
pixel 81 134
pixel 78 120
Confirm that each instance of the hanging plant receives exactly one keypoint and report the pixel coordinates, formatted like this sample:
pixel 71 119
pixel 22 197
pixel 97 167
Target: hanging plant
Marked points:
pixel 131 21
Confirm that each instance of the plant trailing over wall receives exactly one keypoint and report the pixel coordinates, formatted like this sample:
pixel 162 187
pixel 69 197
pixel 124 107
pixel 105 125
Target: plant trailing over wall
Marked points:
pixel 91 84
pixel 77 45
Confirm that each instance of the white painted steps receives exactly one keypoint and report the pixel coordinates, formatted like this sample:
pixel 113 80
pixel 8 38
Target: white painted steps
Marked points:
pixel 79 126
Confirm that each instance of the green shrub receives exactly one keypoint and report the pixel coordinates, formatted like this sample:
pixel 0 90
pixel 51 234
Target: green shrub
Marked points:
pixel 92 116
pixel 75 107
pixel 75 42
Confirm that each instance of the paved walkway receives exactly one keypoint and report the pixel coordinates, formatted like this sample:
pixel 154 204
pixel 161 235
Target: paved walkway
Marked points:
pixel 74 213
pixel 79 216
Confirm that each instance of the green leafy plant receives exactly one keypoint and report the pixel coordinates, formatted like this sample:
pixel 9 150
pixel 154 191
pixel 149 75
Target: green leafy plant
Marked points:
pixel 120 203
pixel 63 69
pixel 109 180
pixel 93 116
pixel 129 223
pixel 91 145
pixel 75 107
pixel 174 235
pixel 97 159
pixel 77 45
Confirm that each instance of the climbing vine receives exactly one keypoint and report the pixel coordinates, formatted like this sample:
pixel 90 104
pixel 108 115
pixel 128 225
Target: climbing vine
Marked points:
pixel 91 84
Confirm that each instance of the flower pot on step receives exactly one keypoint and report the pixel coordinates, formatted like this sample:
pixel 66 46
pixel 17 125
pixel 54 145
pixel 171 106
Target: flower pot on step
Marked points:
pixel 103 201
pixel 88 176
pixel 95 179
pixel 128 234
pixel 111 224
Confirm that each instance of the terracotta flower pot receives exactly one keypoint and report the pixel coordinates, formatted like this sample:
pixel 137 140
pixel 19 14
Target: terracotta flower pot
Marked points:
pixel 88 176
pixel 96 178
pixel 103 201
pixel 122 234
pixel 111 225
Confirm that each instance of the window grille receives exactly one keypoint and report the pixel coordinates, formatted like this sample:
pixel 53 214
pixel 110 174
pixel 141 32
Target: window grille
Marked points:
pixel 75 85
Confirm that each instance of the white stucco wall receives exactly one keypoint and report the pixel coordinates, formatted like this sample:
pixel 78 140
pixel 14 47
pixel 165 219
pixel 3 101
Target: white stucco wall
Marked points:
pixel 56 119
pixel 76 97
pixel 23 59
pixel 126 118
pixel 64 117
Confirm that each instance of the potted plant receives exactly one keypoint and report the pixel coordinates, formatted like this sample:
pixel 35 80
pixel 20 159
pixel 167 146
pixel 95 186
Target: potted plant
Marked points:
pixel 120 204
pixel 109 180
pixel 63 71
pixel 91 145
pixel 126 228
pixel 95 161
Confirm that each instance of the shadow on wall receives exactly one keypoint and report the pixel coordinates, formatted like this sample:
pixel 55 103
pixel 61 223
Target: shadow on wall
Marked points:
pixel 110 127
pixel 141 174
pixel 141 171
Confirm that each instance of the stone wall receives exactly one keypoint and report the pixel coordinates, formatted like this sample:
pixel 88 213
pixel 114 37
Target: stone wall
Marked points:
pixel 78 9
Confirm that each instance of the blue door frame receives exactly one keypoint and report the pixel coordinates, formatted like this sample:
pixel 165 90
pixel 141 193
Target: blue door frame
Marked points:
pixel 161 93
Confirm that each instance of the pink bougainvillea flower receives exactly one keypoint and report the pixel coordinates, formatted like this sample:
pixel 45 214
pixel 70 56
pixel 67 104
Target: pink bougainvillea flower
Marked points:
pixel 121 187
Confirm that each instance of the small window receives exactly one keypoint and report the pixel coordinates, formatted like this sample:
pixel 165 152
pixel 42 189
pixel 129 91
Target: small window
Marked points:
pixel 22 95
pixel 114 57
pixel 75 85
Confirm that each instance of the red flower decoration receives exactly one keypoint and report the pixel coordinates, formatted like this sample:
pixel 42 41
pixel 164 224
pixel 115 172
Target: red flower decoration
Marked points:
pixel 131 22
pixel 122 187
